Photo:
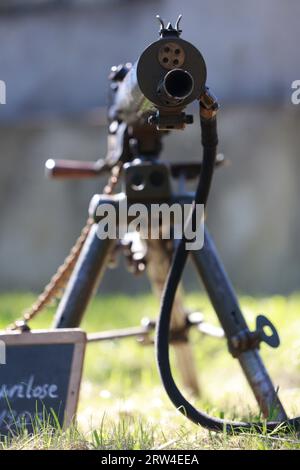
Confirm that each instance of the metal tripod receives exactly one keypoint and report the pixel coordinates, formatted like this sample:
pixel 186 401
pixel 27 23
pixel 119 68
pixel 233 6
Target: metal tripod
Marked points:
pixel 148 181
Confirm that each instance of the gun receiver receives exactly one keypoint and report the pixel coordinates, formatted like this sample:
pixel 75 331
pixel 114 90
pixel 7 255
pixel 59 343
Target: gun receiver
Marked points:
pixel 147 99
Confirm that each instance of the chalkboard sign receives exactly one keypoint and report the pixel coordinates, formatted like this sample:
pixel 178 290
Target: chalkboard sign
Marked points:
pixel 40 378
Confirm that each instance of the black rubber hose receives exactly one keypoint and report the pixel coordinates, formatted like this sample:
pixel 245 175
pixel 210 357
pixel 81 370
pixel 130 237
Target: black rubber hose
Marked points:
pixel 209 142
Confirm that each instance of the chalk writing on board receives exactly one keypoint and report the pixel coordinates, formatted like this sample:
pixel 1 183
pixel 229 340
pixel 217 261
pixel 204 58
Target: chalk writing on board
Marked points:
pixel 28 390
pixel 39 384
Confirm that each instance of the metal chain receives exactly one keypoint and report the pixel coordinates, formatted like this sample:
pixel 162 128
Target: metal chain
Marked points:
pixel 54 288
pixel 113 178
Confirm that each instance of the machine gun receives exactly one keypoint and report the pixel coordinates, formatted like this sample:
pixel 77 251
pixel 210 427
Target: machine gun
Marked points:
pixel 147 101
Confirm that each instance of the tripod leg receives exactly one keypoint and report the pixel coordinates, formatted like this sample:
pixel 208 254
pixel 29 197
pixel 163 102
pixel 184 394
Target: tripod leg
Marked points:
pixel 226 306
pixel 158 265
pixel 87 272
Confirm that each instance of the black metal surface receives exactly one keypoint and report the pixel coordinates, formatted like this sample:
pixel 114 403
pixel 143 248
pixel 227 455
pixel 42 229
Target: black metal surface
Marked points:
pixel 194 64
pixel 226 306
pixel 219 287
pixel 146 86
pixel 147 181
pixel 272 339
pixel 87 272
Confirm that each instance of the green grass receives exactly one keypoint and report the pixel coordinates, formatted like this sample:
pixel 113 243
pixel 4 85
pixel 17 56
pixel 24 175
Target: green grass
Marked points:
pixel 122 403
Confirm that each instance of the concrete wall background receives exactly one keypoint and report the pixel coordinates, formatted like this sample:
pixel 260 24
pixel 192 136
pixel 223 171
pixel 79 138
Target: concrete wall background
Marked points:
pixel 55 64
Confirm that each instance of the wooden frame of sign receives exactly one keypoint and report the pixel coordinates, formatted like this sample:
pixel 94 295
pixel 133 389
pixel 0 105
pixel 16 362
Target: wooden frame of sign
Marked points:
pixel 16 344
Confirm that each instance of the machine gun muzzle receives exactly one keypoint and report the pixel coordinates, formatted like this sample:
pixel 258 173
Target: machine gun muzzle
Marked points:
pixel 176 86
pixel 170 74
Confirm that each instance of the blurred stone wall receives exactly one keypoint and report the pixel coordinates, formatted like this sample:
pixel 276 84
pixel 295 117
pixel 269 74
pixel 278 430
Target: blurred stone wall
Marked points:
pixel 55 65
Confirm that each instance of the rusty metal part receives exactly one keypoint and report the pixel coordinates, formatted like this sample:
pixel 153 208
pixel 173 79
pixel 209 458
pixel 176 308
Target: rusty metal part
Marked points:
pixel 208 105
pixel 113 179
pixel 142 332
pixel 171 55
pixel 69 169
pixel 110 335
pixel 246 340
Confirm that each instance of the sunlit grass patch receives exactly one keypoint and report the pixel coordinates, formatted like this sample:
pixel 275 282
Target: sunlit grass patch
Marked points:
pixel 122 403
